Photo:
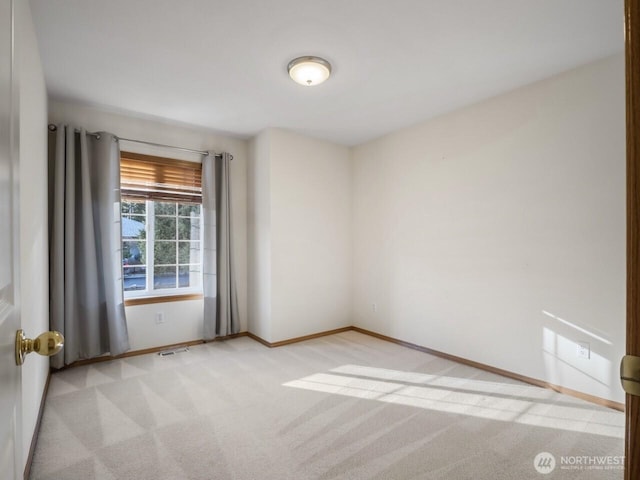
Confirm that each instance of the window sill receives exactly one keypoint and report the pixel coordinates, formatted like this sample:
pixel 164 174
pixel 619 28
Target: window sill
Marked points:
pixel 130 302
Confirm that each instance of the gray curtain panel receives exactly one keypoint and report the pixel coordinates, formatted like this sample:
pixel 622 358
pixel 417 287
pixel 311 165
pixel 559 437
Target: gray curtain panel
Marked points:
pixel 86 293
pixel 219 283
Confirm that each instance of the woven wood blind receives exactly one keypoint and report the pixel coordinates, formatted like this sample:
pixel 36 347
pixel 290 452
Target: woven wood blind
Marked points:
pixel 146 177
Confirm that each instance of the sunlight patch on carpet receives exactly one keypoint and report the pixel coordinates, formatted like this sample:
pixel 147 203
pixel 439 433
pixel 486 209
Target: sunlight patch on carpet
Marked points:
pixel 508 401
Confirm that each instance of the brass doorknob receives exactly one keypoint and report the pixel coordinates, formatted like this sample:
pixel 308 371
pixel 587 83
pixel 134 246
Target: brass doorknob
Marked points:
pixel 630 374
pixel 47 343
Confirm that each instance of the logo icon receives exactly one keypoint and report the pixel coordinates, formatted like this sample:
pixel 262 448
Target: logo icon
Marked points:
pixel 544 463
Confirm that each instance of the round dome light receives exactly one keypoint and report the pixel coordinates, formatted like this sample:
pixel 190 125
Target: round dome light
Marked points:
pixel 309 71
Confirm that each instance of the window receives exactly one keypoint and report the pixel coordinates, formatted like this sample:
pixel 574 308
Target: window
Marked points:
pixel 161 219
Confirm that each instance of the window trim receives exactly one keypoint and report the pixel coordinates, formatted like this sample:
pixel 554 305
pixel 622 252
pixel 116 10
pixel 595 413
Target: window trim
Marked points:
pixel 150 299
pixel 151 179
pixel 149 291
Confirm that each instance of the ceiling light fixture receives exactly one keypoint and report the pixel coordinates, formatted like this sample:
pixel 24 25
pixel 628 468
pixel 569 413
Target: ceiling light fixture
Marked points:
pixel 309 71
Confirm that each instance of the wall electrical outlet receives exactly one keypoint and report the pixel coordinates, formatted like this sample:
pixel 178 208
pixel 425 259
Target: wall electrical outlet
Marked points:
pixel 160 317
pixel 583 350
pixel 374 307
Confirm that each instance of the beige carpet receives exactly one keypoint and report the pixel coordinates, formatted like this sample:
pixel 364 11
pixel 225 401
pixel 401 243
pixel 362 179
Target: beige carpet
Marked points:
pixel 347 406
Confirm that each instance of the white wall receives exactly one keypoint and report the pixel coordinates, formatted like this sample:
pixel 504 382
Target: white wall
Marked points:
pixel 497 232
pixel 300 199
pixel 183 323
pixel 310 235
pixel 183 320
pixel 259 233
pixel 34 255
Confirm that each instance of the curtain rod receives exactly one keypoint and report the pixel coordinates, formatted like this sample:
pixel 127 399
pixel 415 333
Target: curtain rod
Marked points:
pixel 53 128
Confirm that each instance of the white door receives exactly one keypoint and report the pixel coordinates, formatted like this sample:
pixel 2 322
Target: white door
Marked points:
pixel 10 377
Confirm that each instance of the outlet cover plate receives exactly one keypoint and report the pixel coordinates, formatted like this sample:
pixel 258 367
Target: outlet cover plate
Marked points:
pixel 583 350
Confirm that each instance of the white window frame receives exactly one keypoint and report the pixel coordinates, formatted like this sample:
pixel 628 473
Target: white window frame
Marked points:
pixel 149 291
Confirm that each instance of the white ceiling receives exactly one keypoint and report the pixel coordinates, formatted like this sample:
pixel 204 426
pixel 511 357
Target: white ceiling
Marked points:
pixel 222 64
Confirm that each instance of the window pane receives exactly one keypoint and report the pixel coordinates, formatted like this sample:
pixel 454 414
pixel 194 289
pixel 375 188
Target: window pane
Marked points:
pixel 137 217
pixel 165 228
pixel 185 210
pixel 165 208
pixel 134 252
pixel 133 227
pixel 190 276
pixel 189 228
pixel 174 242
pixel 188 252
pixel 128 207
pixel 135 278
pixel 164 277
pixel 164 253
